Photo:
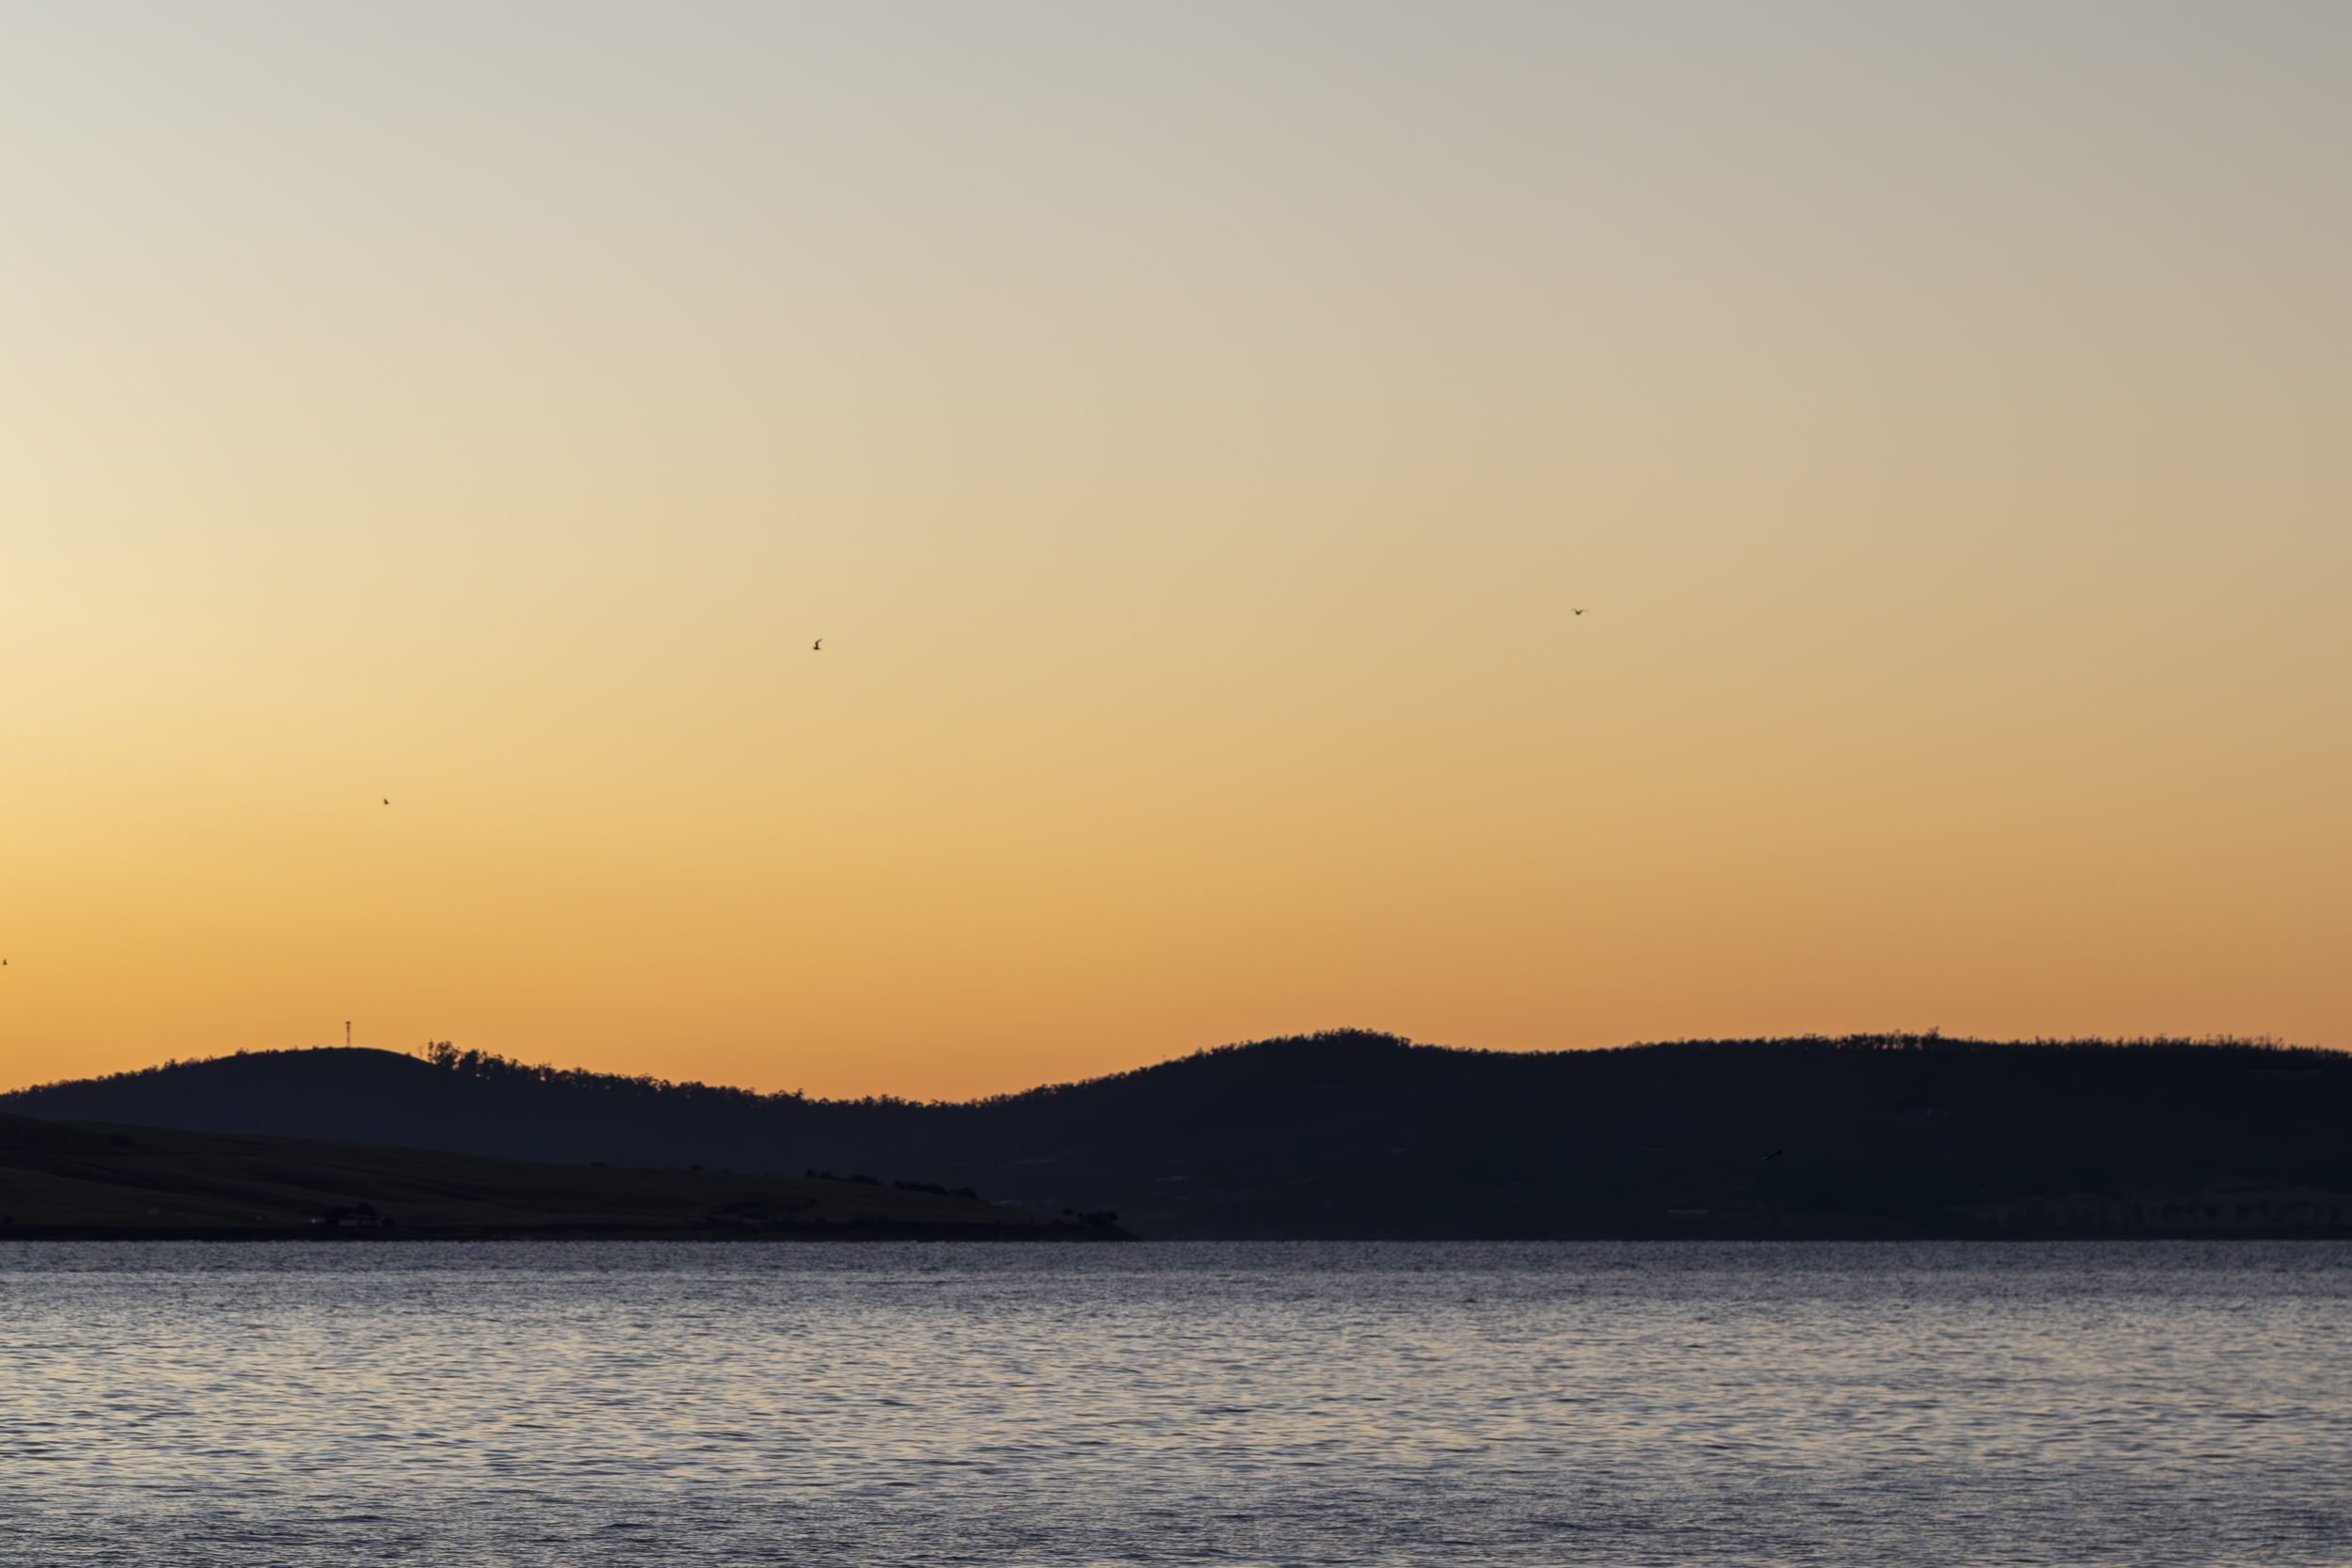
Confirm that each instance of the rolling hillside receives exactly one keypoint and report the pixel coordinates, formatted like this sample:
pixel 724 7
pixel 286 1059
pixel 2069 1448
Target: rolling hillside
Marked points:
pixel 1362 1134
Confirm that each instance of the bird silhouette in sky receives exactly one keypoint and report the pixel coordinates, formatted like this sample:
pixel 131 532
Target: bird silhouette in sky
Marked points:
pixel 817 646
pixel 388 801
pixel 1775 1155
pixel 1580 612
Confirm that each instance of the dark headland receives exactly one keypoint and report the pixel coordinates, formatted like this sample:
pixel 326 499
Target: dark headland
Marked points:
pixel 85 1180
pixel 1353 1134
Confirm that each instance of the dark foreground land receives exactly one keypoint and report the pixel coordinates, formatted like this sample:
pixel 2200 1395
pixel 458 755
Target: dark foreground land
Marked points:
pixel 80 1181
pixel 1353 1134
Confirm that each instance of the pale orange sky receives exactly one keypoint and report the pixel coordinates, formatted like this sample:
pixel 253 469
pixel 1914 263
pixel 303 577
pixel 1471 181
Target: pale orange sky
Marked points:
pixel 1191 429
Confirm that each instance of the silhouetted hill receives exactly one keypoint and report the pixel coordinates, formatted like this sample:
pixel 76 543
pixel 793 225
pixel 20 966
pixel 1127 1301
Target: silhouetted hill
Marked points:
pixel 1362 1134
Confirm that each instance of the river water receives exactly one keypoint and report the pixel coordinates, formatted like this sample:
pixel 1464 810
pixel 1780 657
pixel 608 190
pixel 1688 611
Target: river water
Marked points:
pixel 648 1404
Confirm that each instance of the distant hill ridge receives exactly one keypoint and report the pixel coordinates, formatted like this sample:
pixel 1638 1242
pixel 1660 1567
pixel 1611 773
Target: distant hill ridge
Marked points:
pixel 1353 1133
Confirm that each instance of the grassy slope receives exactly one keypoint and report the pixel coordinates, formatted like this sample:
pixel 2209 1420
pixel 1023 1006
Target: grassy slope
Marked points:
pixel 81 1179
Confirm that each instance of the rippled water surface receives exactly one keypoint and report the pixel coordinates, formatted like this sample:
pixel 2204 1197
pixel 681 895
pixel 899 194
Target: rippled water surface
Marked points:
pixel 645 1403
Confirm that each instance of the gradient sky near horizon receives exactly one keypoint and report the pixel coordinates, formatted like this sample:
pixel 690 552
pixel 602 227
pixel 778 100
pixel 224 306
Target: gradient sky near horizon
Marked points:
pixel 1191 429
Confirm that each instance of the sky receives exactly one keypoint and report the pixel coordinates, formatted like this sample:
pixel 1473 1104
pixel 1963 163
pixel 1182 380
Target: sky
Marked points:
pixel 1522 526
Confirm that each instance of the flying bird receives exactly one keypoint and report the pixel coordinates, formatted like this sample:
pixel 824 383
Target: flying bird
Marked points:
pixel 817 646
pixel 388 801
pixel 1775 1155
pixel 1580 612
